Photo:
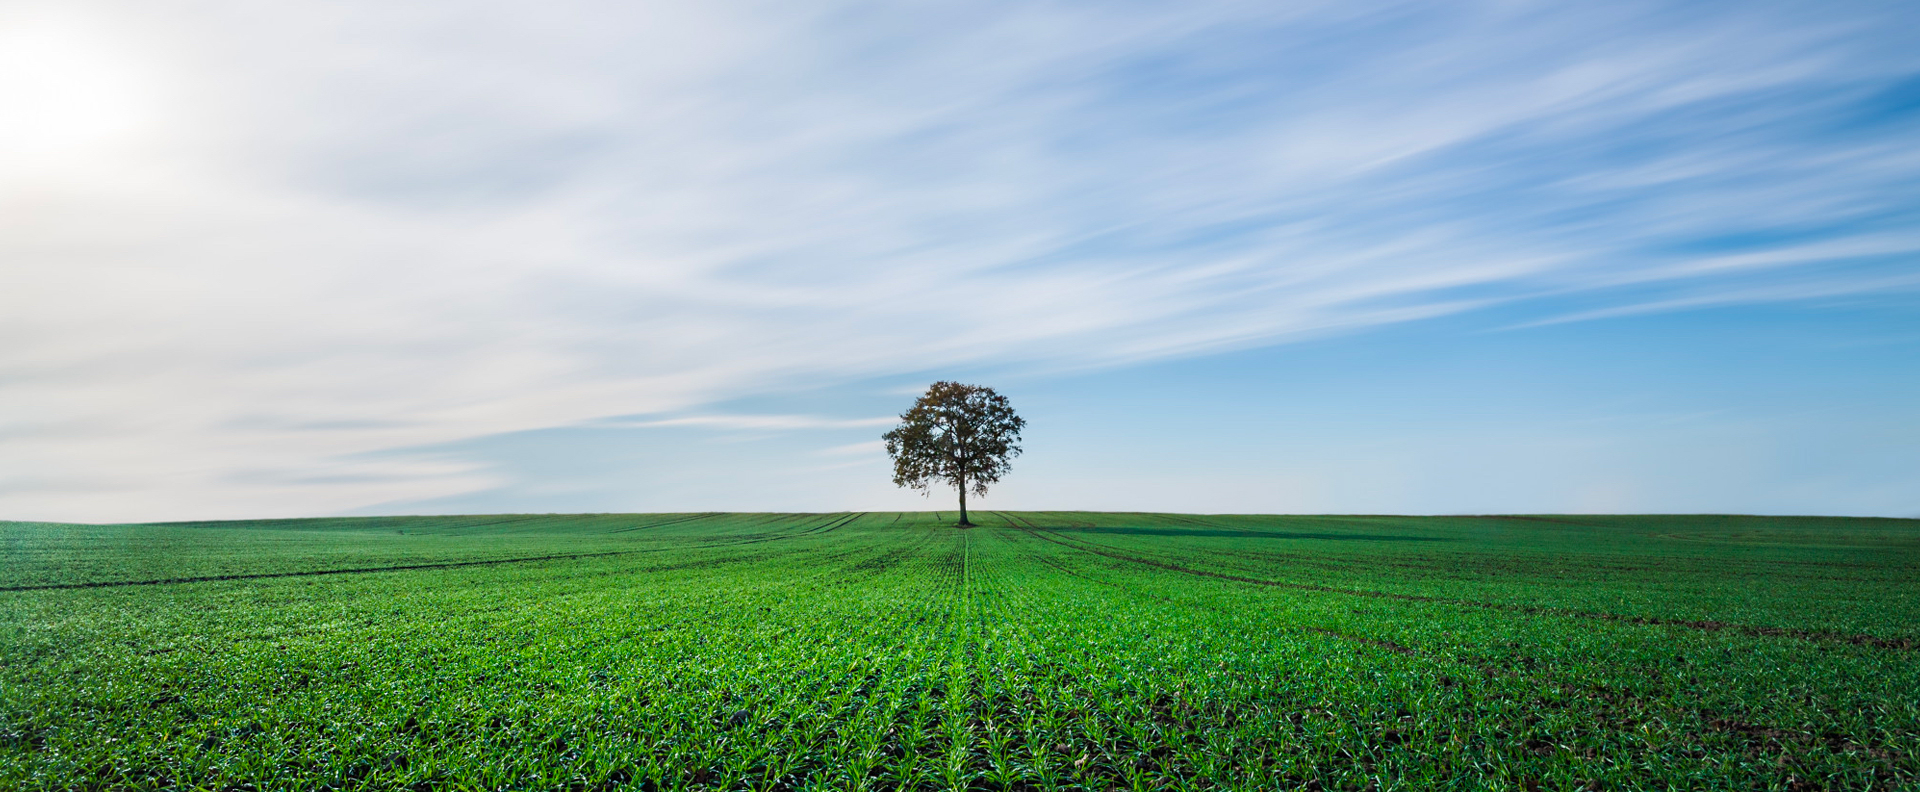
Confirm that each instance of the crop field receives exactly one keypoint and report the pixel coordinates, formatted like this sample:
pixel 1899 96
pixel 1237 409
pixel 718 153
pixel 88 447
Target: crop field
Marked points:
pixel 1038 651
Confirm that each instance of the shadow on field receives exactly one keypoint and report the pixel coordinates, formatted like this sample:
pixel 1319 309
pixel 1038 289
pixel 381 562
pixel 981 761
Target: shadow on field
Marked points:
pixel 1232 534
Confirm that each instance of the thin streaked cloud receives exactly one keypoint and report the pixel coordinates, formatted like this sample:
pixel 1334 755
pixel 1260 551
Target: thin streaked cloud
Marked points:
pixel 870 448
pixel 750 422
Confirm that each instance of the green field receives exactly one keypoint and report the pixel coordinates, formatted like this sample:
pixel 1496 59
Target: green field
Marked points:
pixel 1038 651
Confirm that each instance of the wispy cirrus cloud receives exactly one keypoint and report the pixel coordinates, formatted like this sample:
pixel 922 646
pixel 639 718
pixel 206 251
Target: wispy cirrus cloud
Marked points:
pixel 749 422
pixel 869 448
pixel 413 225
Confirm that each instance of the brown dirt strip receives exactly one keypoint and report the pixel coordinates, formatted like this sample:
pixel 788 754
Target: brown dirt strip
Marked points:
pixel 1709 626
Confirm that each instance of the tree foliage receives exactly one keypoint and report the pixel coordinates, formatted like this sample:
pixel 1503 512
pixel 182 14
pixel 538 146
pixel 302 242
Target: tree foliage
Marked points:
pixel 962 435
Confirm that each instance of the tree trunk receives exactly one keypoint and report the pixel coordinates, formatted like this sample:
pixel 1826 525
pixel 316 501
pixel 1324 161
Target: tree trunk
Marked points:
pixel 963 502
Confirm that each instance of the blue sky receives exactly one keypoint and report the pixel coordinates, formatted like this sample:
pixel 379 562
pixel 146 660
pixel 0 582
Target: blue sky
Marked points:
pixel 310 258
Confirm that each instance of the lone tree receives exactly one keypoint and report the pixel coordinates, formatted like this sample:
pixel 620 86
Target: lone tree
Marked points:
pixel 963 435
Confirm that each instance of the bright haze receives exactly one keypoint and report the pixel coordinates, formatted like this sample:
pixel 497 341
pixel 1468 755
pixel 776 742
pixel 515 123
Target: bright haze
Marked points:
pixel 308 258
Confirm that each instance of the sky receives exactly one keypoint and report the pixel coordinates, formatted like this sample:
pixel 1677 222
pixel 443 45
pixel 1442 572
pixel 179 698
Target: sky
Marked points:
pixel 312 258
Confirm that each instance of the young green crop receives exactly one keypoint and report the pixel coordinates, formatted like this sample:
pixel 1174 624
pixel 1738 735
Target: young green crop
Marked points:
pixel 1040 651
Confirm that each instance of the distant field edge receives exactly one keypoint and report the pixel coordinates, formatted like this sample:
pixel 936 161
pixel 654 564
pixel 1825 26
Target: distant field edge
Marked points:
pixel 1574 518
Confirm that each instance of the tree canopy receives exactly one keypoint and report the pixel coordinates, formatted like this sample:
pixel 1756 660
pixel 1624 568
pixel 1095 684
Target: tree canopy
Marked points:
pixel 962 435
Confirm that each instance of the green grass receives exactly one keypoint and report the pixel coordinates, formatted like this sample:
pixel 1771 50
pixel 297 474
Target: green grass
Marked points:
pixel 1039 651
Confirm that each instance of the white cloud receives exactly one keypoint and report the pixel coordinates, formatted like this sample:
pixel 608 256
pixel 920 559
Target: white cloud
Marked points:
pixel 868 448
pixel 778 422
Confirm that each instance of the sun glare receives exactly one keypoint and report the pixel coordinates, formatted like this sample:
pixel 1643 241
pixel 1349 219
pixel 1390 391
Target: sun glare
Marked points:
pixel 68 95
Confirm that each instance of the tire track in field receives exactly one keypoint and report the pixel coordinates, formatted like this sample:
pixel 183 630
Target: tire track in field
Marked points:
pixel 832 525
pixel 514 521
pixel 828 526
pixel 1609 699
pixel 705 516
pixel 315 572
pixel 1378 643
pixel 447 522
pixel 1708 626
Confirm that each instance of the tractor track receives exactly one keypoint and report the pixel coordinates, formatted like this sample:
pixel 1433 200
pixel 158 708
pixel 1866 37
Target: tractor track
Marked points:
pixel 829 525
pixel 1905 644
pixel 1612 699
